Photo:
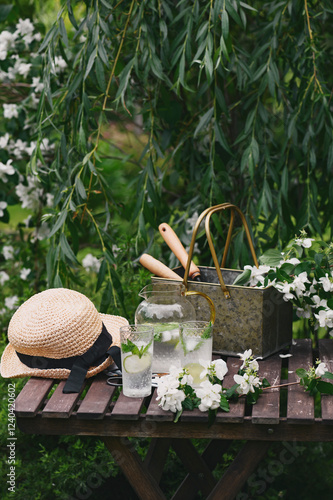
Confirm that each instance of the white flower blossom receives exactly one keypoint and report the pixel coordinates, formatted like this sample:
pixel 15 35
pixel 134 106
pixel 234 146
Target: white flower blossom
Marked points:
pixel 3 206
pixel 3 277
pixel 321 369
pixel 217 368
pixel 294 261
pixel 4 139
pixel 22 68
pixel 325 318
pixel 7 41
pixel 91 263
pixel 11 302
pixel 24 273
pixel 210 395
pixel 257 274
pixel 327 283
pixel 25 29
pixel 8 252
pixel 31 194
pixel 169 394
pixel 304 242
pixel 10 111
pixel 247 383
pixel 37 85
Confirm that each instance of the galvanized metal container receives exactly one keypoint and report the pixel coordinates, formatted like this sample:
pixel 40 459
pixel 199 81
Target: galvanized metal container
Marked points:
pixel 246 317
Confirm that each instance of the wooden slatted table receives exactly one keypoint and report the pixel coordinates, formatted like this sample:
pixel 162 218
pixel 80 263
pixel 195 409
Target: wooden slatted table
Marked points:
pixel 97 412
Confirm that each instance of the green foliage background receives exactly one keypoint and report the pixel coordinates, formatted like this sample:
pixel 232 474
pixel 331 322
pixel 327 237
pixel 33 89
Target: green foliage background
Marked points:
pixel 219 101
pixel 234 101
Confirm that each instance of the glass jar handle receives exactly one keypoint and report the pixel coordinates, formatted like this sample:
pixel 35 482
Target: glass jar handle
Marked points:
pixel 209 300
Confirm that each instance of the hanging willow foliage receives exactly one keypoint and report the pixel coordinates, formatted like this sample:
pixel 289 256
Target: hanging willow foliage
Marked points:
pixel 235 105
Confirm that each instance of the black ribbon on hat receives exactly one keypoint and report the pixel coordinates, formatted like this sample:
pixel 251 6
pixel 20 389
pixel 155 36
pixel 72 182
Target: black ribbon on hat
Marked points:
pixel 79 365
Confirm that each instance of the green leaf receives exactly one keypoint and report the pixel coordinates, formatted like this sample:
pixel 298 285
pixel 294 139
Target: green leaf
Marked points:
pixel 91 61
pixel 101 274
pixel 243 278
pixel 5 11
pixel 324 387
pixel 224 403
pixel 61 220
pixel 66 249
pixel 79 187
pixel 204 121
pixel 271 257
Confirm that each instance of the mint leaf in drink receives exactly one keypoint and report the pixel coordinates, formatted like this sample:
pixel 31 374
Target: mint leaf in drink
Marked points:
pixel 129 346
pixel 206 334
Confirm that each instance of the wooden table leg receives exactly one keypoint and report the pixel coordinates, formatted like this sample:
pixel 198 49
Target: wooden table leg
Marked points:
pixel 156 457
pixel 212 455
pixel 132 466
pixel 200 473
pixel 239 471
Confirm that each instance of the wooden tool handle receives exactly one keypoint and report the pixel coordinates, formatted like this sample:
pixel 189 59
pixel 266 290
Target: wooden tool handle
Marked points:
pixel 174 243
pixel 157 267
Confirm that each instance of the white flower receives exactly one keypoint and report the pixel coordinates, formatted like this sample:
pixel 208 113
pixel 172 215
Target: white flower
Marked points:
pixel 30 149
pixel 23 68
pixel 294 261
pixel 169 394
pixel 327 283
pixel 91 263
pixel 304 242
pixel 320 370
pixel 49 199
pixel 299 283
pixel 325 318
pixel 217 368
pixel 30 195
pixel 25 28
pixel 3 206
pixel 257 274
pixel 8 252
pixel 210 395
pixel 37 85
pixel 59 64
pixel 4 141
pixel 246 382
pixel 7 41
pixel 3 277
pixel 286 289
pixel 24 273
pixel 10 111
pixel 11 302
pixel 18 148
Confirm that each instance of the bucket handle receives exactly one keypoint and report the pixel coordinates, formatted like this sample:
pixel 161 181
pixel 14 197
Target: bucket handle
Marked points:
pixel 208 213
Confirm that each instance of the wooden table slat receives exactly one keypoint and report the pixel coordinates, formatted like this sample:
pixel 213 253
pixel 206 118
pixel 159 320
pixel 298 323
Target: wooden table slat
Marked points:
pixel 326 356
pixel 97 400
pixel 300 406
pixel 32 396
pixel 127 408
pixel 267 408
pixel 61 405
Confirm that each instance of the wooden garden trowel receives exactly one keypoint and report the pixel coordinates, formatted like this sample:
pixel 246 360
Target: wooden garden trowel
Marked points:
pixel 174 243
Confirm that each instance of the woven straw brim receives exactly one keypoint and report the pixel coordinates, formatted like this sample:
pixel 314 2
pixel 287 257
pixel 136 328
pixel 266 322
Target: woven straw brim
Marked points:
pixel 12 367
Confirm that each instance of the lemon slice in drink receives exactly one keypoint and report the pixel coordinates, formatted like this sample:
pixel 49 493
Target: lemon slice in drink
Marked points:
pixel 134 364
pixel 195 369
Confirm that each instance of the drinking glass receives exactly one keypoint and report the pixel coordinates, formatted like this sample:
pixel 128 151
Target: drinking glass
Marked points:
pixel 136 360
pixel 196 338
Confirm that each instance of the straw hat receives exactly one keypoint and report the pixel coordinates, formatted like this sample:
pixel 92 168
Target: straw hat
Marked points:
pixel 55 331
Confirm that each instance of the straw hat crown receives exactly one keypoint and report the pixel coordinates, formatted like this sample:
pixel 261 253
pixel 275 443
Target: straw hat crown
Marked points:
pixel 56 323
